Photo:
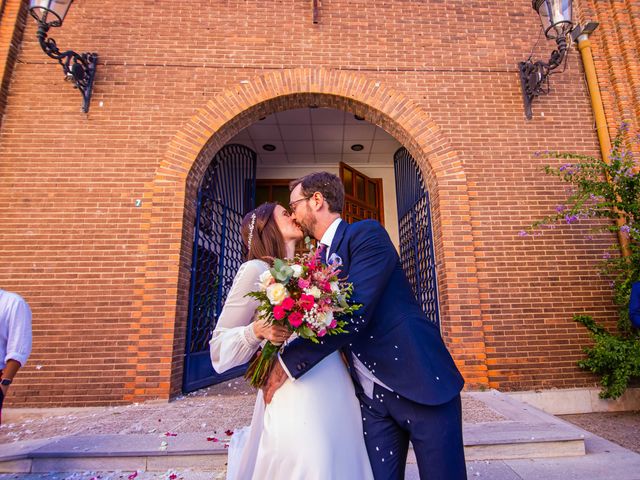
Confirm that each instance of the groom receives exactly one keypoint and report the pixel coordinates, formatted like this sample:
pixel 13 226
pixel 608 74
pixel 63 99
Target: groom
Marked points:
pixel 407 383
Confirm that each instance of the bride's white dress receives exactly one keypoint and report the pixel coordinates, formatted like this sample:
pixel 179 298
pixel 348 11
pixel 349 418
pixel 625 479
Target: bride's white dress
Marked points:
pixel 312 428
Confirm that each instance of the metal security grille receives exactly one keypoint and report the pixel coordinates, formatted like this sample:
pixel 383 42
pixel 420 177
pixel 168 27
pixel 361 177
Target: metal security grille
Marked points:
pixel 226 193
pixel 416 238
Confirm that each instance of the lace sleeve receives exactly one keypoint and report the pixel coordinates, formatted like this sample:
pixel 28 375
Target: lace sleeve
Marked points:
pixel 233 341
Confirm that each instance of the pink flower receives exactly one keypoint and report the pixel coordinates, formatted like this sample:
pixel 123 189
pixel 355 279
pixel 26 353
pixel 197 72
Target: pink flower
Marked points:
pixel 278 312
pixel 322 333
pixel 295 319
pixel 288 303
pixel 306 301
pixel 326 286
pixel 302 283
pixel 333 323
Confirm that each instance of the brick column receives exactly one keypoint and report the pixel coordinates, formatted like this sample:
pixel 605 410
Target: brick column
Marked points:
pixel 13 14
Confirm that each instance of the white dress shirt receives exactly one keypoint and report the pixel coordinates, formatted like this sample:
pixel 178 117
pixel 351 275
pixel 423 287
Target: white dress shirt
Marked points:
pixel 15 329
pixel 365 376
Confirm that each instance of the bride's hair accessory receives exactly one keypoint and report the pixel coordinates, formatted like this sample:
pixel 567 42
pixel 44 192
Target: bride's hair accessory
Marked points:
pixel 251 227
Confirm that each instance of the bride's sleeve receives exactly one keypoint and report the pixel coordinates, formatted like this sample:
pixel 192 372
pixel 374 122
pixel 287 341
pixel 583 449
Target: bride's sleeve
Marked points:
pixel 233 341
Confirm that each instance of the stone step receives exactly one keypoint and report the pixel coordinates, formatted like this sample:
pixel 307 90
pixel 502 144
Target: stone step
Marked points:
pixel 523 432
pixel 144 452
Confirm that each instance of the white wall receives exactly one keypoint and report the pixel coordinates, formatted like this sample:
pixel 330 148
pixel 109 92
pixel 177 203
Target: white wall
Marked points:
pixel 373 171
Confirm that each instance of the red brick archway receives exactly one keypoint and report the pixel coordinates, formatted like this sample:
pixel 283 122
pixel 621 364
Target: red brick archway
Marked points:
pixel 169 211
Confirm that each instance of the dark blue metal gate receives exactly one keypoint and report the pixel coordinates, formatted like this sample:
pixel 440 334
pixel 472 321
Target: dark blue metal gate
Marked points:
pixel 226 193
pixel 416 237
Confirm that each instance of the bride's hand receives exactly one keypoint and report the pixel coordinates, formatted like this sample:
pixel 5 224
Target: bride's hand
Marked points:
pixel 276 334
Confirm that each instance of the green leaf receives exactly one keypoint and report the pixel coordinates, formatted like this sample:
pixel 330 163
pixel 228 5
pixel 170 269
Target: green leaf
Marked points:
pixel 305 332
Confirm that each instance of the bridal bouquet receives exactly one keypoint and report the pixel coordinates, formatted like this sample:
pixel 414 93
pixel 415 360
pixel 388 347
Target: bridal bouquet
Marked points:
pixel 305 296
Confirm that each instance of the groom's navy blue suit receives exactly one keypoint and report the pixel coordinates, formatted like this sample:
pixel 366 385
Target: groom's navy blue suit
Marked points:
pixel 393 338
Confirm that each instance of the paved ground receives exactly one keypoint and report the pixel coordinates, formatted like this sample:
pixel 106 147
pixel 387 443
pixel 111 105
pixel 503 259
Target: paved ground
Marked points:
pixel 168 475
pixel 210 411
pixel 227 406
pixel 604 461
pixel 622 428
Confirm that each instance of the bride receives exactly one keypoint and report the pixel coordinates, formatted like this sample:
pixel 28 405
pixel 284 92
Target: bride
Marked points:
pixel 312 427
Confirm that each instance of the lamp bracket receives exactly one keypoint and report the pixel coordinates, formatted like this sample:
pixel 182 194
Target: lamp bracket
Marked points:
pixel 78 68
pixel 534 76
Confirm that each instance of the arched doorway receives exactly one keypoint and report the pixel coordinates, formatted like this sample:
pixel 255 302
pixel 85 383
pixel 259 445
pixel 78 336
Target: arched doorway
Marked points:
pixel 170 200
pixel 382 182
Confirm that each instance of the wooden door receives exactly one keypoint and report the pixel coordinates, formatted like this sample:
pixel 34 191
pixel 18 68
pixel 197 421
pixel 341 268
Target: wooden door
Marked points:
pixel 273 190
pixel 363 195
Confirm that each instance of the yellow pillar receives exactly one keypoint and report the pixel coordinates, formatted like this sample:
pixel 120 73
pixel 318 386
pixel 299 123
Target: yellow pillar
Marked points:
pixel 602 129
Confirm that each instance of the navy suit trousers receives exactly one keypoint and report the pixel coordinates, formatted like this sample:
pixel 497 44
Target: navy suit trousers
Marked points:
pixel 390 421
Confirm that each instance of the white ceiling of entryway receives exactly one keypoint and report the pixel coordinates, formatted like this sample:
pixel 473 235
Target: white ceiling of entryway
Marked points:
pixel 320 136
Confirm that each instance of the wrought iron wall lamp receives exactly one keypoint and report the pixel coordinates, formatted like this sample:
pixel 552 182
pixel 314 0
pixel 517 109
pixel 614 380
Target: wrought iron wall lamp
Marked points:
pixel 555 16
pixel 80 68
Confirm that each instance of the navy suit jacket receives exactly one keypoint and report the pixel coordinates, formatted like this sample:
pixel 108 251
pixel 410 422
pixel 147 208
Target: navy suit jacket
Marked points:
pixel 634 305
pixel 390 334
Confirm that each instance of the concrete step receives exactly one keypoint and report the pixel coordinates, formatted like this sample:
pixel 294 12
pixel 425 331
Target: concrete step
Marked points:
pixel 116 452
pixel 522 432
pixel 526 432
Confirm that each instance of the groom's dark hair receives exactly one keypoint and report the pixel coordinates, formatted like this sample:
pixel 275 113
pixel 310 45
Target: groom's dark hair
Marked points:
pixel 328 184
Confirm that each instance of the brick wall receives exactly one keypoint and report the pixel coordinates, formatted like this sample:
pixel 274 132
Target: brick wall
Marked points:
pixel 107 280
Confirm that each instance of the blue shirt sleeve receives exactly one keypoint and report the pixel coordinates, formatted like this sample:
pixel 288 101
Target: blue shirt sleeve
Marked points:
pixel 634 305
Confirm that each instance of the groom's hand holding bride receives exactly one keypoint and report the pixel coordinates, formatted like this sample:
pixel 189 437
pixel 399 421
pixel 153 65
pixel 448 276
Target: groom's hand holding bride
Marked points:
pixel 277 377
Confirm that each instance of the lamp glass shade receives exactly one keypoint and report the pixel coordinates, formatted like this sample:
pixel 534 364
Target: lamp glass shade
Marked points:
pixel 49 12
pixel 555 15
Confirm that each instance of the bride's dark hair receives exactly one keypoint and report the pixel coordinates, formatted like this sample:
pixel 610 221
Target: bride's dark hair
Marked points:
pixel 267 241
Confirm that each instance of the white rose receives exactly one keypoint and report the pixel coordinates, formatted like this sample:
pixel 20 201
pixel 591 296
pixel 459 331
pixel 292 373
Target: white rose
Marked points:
pixel 335 288
pixel 328 318
pixel 297 270
pixel 276 293
pixel 315 291
pixel 266 279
